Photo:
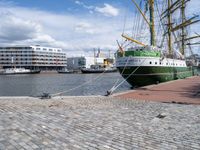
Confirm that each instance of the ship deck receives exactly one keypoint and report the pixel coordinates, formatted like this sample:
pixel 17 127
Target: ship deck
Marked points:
pixel 183 91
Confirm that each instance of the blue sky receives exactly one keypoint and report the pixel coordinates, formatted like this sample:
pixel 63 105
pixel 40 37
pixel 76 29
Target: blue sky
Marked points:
pixel 77 26
pixel 64 5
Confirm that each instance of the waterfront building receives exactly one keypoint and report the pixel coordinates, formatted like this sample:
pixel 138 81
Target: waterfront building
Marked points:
pixel 32 57
pixel 76 63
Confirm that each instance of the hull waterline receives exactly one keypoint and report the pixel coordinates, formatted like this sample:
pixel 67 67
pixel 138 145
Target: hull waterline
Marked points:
pixel 153 75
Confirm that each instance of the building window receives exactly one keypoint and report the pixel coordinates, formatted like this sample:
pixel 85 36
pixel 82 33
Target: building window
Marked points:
pixel 150 62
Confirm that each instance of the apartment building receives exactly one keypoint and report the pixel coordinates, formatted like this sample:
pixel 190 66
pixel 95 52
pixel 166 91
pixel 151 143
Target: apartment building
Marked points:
pixel 32 57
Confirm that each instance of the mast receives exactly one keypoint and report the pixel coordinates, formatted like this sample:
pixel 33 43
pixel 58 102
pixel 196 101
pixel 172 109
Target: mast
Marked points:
pixel 183 29
pixel 152 23
pixel 169 28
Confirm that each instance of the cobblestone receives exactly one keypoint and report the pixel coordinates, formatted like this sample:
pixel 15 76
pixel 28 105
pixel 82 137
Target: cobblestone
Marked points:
pixel 91 123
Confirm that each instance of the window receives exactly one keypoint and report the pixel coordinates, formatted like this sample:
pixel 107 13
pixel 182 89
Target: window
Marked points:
pixel 156 63
pixel 150 62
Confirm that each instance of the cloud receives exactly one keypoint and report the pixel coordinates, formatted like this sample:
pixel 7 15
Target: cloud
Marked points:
pixel 107 10
pixel 16 29
pixel 74 33
pixel 77 34
pixel 84 27
pixel 84 5
pixel 78 2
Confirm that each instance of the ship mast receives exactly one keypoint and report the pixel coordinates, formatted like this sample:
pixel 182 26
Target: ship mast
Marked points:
pixel 183 29
pixel 152 23
pixel 169 28
pixel 172 7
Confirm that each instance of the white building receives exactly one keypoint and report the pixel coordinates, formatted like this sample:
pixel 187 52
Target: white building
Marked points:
pixel 32 57
pixel 76 63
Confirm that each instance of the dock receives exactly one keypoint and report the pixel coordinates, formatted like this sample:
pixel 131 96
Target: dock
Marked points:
pixel 163 116
pixel 182 91
pixel 97 122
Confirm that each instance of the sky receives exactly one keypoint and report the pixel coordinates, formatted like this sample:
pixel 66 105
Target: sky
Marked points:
pixel 76 26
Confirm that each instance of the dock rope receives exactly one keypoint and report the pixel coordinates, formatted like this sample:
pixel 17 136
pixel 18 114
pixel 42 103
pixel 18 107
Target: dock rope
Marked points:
pixel 109 92
pixel 60 93
pixel 118 78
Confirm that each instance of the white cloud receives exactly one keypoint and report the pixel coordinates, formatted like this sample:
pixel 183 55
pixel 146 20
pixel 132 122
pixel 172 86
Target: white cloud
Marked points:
pixel 22 26
pixel 84 5
pixel 15 29
pixel 77 34
pixel 78 2
pixel 107 10
pixel 84 27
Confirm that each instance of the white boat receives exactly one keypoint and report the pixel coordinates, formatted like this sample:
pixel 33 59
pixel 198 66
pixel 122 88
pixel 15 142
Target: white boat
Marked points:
pixel 65 71
pixel 10 71
pixel 98 69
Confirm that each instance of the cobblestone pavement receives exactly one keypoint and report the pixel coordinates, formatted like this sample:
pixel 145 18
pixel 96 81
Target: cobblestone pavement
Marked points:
pixel 91 123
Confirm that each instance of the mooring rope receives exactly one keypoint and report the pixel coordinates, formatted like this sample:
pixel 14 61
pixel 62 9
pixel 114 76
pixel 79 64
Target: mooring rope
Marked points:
pixel 60 93
pixel 109 92
pixel 121 73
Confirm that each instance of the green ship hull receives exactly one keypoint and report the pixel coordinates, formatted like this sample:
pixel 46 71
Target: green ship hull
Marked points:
pixel 147 75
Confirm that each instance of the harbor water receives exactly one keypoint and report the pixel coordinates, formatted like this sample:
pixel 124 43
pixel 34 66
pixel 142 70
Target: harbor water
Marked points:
pixel 73 84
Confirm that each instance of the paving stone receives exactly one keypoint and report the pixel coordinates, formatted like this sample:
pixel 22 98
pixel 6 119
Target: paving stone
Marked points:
pixel 97 123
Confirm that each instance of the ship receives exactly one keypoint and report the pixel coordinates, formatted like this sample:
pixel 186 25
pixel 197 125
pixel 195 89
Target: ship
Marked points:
pixel 143 64
pixel 14 71
pixel 65 71
pixel 98 69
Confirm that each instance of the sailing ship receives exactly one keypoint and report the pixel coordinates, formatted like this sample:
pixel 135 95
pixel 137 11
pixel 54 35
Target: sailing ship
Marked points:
pixel 146 64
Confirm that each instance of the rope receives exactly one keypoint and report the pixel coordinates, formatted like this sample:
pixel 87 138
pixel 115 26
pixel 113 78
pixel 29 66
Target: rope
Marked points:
pixel 124 25
pixel 56 94
pixel 161 24
pixel 109 92
pixel 121 73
